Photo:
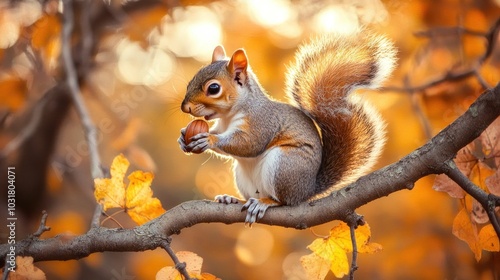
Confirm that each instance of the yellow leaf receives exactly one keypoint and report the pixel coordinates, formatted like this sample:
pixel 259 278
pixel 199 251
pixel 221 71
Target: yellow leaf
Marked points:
pixel 315 266
pixel 168 273
pixel 488 239
pixel 332 251
pixel 466 231
pixel 363 234
pixel 192 260
pixel 193 267
pixel 111 192
pixel 141 205
pixel 136 198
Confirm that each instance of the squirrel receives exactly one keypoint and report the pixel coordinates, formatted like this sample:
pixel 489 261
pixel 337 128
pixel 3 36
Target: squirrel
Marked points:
pixel 287 153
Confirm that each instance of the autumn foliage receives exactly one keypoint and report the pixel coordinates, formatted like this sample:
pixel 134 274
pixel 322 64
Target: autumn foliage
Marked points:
pixel 480 161
pixel 136 198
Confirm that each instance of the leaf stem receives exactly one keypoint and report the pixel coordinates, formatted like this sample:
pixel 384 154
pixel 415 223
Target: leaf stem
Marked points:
pixel 180 266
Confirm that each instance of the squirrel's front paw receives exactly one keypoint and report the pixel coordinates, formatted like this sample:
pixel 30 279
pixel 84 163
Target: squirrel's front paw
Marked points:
pixel 200 143
pixel 182 142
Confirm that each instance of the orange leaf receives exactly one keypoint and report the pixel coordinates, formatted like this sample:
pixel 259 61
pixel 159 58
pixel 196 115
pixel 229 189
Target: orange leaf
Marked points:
pixel 47 38
pixel 136 198
pixel 208 276
pixel 489 143
pixel 13 93
pixel 46 29
pixel 488 239
pixel 479 174
pixel 478 214
pixel 466 231
pixel 493 183
pixel 443 183
pixel 25 270
pixel 141 24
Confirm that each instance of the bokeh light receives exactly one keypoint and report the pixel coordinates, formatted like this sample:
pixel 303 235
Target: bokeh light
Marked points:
pixel 138 66
pixel 254 246
pixel 190 32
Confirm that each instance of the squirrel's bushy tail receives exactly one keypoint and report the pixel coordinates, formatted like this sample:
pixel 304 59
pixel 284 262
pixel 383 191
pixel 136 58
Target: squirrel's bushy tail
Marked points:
pixel 326 71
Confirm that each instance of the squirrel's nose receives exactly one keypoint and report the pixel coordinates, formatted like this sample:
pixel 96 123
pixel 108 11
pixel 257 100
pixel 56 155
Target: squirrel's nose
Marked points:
pixel 186 107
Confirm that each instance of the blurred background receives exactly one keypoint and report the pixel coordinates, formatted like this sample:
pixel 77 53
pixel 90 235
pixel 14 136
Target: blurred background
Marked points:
pixel 134 60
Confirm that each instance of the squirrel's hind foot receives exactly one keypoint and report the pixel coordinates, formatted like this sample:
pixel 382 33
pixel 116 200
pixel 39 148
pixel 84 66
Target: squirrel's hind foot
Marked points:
pixel 256 208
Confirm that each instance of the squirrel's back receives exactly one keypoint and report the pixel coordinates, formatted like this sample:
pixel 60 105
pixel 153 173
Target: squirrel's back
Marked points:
pixel 326 71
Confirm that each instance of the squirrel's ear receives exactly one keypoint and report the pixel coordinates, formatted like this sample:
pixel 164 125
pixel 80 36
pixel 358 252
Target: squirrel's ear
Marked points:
pixel 219 53
pixel 238 66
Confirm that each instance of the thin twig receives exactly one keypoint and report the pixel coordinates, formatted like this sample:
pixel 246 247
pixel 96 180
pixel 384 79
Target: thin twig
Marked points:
pixel 417 109
pixel 43 227
pixel 448 77
pixel 442 31
pixel 353 221
pixel 491 41
pixel 112 218
pixel 6 269
pixel 28 130
pixel 481 196
pixel 480 79
pixel 74 89
pixel 354 265
pixel 97 216
pixel 180 266
pixel 493 201
pixel 87 36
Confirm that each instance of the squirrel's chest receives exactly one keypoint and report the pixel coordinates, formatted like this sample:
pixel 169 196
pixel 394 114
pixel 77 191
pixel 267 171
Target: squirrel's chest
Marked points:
pixel 255 176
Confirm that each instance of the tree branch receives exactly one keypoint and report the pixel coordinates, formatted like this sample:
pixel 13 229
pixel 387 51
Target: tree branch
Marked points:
pixel 74 90
pixel 428 159
pixel 491 41
pixel 43 226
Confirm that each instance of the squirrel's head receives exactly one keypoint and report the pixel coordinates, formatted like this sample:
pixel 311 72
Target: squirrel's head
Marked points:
pixel 214 89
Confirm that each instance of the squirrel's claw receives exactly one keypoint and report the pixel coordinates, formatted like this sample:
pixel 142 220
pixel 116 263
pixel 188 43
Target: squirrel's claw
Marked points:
pixel 227 199
pixel 256 208
pixel 199 143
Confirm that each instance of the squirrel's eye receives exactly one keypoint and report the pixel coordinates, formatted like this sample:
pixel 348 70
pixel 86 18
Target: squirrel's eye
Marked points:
pixel 213 89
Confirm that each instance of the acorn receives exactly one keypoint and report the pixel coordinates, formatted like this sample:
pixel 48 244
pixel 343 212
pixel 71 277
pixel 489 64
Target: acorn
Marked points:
pixel 194 128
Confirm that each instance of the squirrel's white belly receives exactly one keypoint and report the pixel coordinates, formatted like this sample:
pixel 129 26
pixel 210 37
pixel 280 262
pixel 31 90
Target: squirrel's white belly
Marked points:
pixel 255 176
